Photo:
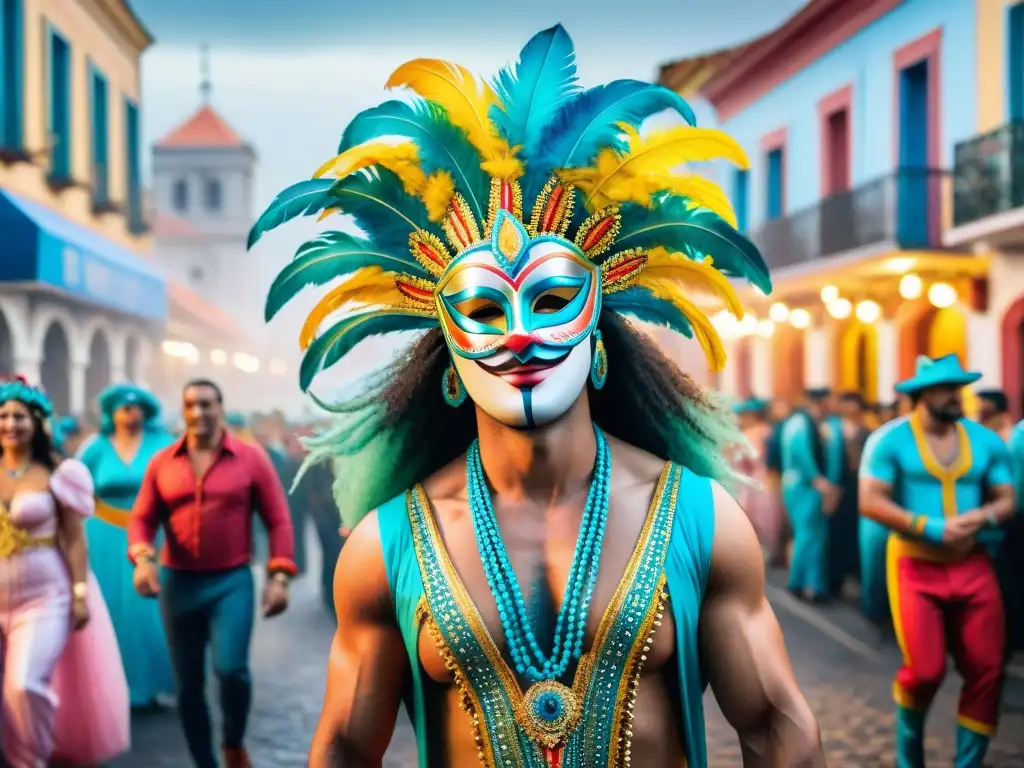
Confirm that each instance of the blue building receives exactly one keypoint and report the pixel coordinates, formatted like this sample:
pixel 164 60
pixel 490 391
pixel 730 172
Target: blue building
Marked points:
pixel 79 305
pixel 849 113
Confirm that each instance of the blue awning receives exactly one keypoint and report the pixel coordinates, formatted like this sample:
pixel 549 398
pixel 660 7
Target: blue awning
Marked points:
pixel 39 245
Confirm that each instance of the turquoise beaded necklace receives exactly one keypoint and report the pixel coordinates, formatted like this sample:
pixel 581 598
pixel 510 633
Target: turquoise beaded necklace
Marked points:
pixel 527 656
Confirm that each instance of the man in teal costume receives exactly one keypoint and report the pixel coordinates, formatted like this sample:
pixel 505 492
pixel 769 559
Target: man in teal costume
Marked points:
pixel 810 495
pixel 1011 554
pixel 943 486
pixel 543 440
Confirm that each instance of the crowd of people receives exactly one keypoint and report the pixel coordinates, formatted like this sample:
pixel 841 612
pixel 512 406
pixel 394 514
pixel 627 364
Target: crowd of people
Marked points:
pixel 910 508
pixel 83 513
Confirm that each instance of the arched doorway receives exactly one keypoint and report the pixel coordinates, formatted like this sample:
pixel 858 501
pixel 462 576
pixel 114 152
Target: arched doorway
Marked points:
pixel 6 348
pixel 131 359
pixel 858 370
pixel 55 370
pixel 1012 342
pixel 97 375
pixel 788 371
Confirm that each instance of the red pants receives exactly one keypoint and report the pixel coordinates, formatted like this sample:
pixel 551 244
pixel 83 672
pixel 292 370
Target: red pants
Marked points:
pixel 956 602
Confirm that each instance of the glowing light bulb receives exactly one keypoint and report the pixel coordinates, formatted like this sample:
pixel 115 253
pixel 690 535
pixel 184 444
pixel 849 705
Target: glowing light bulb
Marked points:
pixel 942 295
pixel 868 311
pixel 840 309
pixel 765 329
pixel 829 294
pixel 800 319
pixel 748 324
pixel 911 287
pixel 779 312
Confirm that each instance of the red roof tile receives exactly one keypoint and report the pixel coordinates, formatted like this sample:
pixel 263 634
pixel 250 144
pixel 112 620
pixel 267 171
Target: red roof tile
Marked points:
pixel 168 225
pixel 205 128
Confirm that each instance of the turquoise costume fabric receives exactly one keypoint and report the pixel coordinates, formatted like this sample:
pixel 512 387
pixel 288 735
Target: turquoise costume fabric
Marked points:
pixel 687 567
pixel 140 633
pixel 804 458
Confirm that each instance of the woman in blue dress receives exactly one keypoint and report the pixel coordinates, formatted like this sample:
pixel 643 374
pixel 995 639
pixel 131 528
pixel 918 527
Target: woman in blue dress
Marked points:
pixel 130 434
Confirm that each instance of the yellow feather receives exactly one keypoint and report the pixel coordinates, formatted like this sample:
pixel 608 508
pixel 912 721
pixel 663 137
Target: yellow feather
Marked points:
pixel 367 286
pixel 703 330
pixel 616 175
pixel 467 102
pixel 327 212
pixel 694 276
pixel 402 159
pixel 437 194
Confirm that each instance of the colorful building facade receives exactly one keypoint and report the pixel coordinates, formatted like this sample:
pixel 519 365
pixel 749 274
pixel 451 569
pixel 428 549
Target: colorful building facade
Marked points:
pixel 78 307
pixel 849 113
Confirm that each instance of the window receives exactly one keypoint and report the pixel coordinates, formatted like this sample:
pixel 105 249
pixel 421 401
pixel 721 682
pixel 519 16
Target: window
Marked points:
pixel 740 192
pixel 1015 60
pixel 212 195
pixel 179 196
pixel 774 184
pixel 11 76
pixel 60 107
pixel 134 169
pixel 100 138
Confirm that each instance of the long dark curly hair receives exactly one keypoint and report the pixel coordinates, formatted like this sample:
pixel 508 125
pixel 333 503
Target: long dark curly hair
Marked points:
pixel 41 448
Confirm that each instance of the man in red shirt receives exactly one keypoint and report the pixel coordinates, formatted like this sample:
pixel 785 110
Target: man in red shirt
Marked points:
pixel 202 490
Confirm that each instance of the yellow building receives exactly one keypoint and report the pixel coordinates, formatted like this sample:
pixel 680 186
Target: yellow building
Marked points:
pixel 78 307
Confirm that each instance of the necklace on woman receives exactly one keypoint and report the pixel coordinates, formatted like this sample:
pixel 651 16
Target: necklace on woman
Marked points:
pixel 547 699
pixel 17 472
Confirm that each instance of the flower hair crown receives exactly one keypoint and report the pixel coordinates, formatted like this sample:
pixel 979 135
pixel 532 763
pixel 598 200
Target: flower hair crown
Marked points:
pixel 425 181
pixel 19 389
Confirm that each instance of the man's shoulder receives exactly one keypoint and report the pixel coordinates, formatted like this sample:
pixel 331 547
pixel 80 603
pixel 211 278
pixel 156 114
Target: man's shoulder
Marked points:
pixel 890 434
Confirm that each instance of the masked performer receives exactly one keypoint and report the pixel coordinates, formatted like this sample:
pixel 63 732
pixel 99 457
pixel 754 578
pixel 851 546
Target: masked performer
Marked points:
pixel 64 694
pixel 927 478
pixel 203 490
pixel 130 435
pixel 560 507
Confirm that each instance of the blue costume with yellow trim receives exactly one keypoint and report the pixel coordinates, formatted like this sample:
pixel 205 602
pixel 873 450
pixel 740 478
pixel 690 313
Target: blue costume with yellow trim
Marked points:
pixel 140 632
pixel 935 591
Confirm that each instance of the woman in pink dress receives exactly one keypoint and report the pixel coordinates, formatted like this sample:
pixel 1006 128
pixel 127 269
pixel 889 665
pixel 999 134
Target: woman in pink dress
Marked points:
pixel 759 499
pixel 64 694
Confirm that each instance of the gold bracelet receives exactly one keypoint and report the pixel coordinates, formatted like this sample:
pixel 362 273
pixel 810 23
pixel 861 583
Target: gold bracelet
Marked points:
pixel 80 590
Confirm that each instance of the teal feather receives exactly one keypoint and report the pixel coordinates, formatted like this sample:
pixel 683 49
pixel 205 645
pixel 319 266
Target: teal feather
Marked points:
pixel 339 340
pixel 532 93
pixel 328 257
pixel 672 222
pixel 382 208
pixel 303 199
pixel 442 145
pixel 640 303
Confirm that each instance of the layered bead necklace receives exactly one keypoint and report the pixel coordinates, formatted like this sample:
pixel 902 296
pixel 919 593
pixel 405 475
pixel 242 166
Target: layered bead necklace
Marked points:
pixel 530 661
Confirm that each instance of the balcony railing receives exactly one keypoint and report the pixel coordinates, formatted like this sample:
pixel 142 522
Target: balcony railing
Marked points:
pixel 902 208
pixel 988 175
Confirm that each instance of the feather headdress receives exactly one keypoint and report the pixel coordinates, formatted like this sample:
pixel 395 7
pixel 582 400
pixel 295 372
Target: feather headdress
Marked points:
pixel 424 181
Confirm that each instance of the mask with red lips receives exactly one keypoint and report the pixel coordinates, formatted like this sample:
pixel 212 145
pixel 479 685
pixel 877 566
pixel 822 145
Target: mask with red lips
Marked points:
pixel 518 314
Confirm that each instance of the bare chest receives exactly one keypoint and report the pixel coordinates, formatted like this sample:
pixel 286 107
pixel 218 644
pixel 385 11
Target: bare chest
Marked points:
pixel 541 555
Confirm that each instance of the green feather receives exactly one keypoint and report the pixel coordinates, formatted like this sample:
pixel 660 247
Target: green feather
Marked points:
pixel 328 257
pixel 640 303
pixel 382 208
pixel 674 223
pixel 302 199
pixel 339 340
pixel 442 145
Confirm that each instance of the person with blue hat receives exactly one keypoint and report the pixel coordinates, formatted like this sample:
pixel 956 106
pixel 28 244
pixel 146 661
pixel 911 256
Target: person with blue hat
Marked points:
pixel 943 487
pixel 130 434
pixel 809 494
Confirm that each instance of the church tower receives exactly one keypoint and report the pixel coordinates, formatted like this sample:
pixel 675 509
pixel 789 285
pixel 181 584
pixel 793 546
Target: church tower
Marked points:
pixel 203 174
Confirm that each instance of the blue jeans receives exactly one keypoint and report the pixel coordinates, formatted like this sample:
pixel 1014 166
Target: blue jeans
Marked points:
pixel 202 608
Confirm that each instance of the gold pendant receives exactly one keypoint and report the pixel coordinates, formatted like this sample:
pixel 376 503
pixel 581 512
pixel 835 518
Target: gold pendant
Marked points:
pixel 549 713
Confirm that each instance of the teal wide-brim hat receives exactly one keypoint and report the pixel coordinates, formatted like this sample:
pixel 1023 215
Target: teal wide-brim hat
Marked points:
pixel 123 395
pixel 751 405
pixel 945 371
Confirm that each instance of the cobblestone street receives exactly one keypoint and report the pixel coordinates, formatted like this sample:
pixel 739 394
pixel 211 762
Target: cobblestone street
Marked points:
pixel 844 670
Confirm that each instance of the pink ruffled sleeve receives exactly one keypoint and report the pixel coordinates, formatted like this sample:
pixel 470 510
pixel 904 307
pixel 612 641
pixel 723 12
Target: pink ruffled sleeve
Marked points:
pixel 72 485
